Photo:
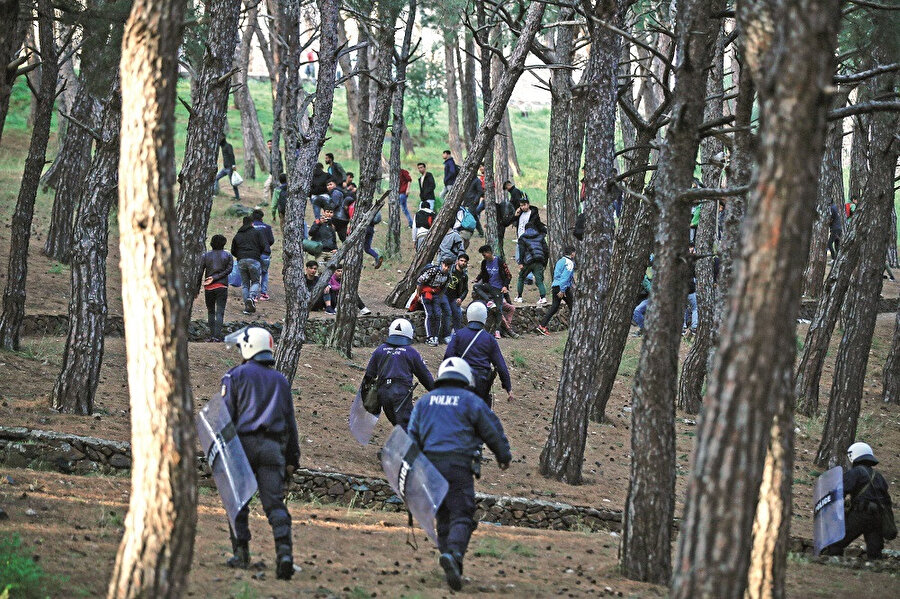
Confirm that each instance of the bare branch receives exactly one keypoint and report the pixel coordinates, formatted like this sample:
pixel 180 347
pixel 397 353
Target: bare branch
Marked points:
pixel 857 77
pixel 703 193
pixel 863 108
pixel 224 78
pixel 875 5
pixel 186 105
pixel 87 128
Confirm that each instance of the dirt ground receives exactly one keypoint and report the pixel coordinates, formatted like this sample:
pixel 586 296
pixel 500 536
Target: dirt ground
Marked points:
pixel 344 552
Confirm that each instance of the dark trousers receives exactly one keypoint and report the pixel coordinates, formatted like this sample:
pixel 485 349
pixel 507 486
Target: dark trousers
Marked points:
pixel 215 310
pixel 340 227
pixel 437 316
pixel 484 381
pixel 834 243
pixel 557 301
pixel 859 522
pixel 396 401
pixel 266 457
pixel 455 517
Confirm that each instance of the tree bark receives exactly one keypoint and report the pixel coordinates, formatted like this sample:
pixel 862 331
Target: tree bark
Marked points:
pixel 490 67
pixel 891 373
pixel 646 552
pixel 694 368
pixel 77 382
pixel 12 34
pixel 862 308
pixel 251 131
pixel 351 90
pixel 372 140
pixel 198 171
pixel 299 183
pixel 20 232
pixel 467 92
pixel 501 94
pixel 512 160
pixel 398 129
pixel 563 452
pixel 70 84
pixel 790 50
pixel 455 140
pixel 156 551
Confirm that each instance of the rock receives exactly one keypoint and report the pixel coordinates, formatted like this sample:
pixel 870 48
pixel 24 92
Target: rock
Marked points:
pixel 3 514
pixel 117 460
pixel 238 211
pixel 30 512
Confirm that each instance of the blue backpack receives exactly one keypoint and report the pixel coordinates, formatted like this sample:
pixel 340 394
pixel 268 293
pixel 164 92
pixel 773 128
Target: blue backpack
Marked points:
pixel 468 221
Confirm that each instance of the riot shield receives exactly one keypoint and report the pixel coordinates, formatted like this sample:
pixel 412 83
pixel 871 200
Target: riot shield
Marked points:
pixel 414 479
pixel 362 423
pixel 225 456
pixel 828 513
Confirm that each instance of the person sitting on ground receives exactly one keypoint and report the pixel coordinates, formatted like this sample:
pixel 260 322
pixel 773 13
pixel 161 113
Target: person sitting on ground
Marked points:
pixel 481 352
pixel 561 288
pixel 322 231
pixel 458 289
pixel 533 254
pixel 430 286
pixel 869 497
pixel 265 259
pixel 311 277
pixel 334 288
pixel 391 368
pixel 215 266
pixel 492 285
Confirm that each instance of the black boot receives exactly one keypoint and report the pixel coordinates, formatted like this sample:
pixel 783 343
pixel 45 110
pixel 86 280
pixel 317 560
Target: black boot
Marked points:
pixel 241 557
pixel 284 561
pixel 452 565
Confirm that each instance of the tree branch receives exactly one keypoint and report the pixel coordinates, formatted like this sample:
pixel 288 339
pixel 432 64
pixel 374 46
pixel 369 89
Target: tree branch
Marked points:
pixel 87 128
pixel 704 193
pixel 863 108
pixel 857 77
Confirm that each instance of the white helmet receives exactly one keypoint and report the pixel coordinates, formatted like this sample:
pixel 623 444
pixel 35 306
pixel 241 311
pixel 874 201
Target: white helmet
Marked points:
pixel 456 370
pixel 859 451
pixel 476 312
pixel 255 343
pixel 400 332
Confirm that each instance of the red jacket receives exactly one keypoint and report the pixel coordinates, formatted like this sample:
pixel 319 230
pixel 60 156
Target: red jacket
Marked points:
pixel 405 180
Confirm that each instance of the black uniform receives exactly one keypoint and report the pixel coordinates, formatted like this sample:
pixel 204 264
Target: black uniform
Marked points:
pixel 868 493
pixel 392 367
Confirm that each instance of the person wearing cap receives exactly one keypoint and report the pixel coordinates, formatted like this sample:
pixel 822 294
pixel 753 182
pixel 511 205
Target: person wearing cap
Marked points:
pixel 480 350
pixel 430 287
pixel 391 368
pixel 258 398
pixel 868 492
pixel 450 424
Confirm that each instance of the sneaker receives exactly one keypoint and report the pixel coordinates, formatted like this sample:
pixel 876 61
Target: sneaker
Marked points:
pixel 330 310
pixel 364 311
pixel 432 341
pixel 543 330
pixel 263 297
pixel 379 262
pixel 249 306
pixel 446 340
pixel 490 304
pixel 451 571
pixel 285 568
pixel 496 334
pixel 518 300
pixel 542 301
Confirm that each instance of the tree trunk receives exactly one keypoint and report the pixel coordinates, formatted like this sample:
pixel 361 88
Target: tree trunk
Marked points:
pixel 351 90
pixel 70 84
pixel 467 92
pixel 501 94
pixel 646 534
pixel 365 84
pixel 251 131
pixel 789 49
pixel 772 525
pixel 450 42
pixel 490 68
pixel 75 157
pixel 694 368
pixel 831 191
pixel 561 115
pixel 265 50
pixel 891 372
pixel 372 140
pixel 20 232
pixel 12 34
pixel 512 160
pixel 862 308
pixel 77 382
pixel 299 183
pixel 289 80
pixel 198 171
pixel 563 452
pixel 156 551
pixel 392 246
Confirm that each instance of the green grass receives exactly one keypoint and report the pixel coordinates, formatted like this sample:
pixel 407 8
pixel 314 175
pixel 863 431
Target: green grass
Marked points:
pixel 20 575
pixel 499 549
pixel 110 519
pixel 518 359
pixel 348 388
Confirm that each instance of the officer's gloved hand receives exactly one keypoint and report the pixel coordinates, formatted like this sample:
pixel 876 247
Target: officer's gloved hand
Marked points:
pixel 504 465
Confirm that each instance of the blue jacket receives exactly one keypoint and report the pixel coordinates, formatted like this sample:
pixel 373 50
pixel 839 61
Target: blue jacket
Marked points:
pixel 563 273
pixel 484 353
pixel 533 247
pixel 259 400
pixel 450 171
pixel 451 423
pixel 398 363
pixel 266 231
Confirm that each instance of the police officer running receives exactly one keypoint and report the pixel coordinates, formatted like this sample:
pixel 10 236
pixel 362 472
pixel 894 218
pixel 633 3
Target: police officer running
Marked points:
pixel 481 351
pixel 868 493
pixel 391 369
pixel 449 425
pixel 258 399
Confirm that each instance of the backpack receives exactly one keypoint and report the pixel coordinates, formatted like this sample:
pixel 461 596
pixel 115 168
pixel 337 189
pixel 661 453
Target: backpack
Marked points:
pixel 280 203
pixel 467 221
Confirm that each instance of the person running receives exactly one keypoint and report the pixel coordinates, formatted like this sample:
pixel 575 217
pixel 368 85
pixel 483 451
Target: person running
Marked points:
pixel 247 247
pixel 561 289
pixel 228 166
pixel 482 353
pixel 430 287
pixel 533 253
pixel 215 266
pixel 391 369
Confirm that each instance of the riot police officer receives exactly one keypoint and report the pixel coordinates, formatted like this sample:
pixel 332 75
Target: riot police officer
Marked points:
pixel 868 493
pixel 481 351
pixel 258 398
pixel 392 367
pixel 449 425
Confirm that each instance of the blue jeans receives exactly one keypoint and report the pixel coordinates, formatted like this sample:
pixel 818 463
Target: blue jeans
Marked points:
pixel 401 199
pixel 456 314
pixel 690 314
pixel 437 316
pixel 640 312
pixel 367 243
pixel 318 202
pixel 249 269
pixel 264 261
